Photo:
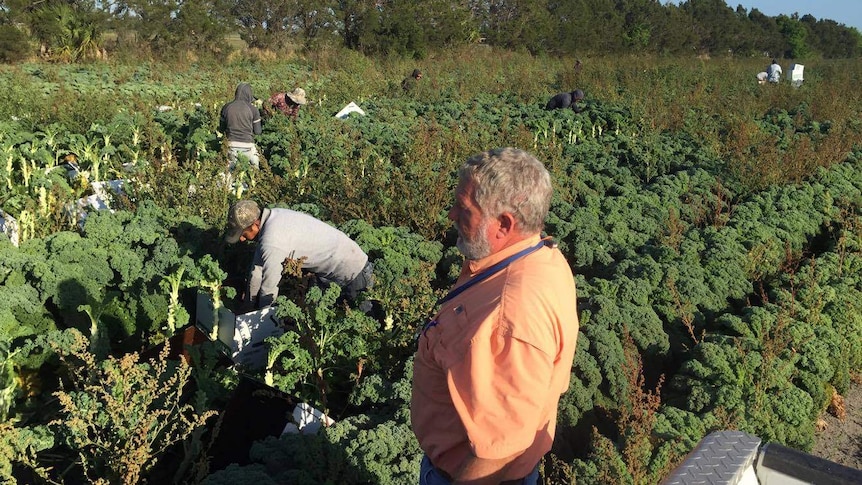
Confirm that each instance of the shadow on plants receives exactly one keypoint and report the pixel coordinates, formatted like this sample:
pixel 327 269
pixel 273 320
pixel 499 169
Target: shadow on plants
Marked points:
pixel 254 412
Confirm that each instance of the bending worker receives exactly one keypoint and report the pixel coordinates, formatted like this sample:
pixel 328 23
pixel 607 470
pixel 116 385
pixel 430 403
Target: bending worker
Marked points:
pixel 287 104
pixel 491 366
pixel 282 233
pixel 566 100
pixel 411 81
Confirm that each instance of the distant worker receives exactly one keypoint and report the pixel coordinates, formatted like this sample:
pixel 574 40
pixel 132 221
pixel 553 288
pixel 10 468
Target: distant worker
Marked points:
pixel 287 104
pixel 567 100
pixel 410 81
pixel 282 233
pixel 240 122
pixel 773 72
pixel 578 66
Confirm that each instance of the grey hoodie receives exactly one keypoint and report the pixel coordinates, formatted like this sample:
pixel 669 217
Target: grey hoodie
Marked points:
pixel 240 120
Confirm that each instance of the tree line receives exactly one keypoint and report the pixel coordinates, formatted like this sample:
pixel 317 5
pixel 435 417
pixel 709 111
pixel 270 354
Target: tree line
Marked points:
pixel 72 30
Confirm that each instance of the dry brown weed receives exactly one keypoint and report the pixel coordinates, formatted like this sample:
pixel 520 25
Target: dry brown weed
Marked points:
pixel 836 406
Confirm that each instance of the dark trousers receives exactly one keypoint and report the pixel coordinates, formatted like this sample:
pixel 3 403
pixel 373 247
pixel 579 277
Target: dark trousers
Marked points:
pixel 430 475
pixel 363 281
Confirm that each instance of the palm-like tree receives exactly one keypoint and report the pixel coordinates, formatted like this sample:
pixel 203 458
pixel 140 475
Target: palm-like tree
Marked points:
pixel 68 32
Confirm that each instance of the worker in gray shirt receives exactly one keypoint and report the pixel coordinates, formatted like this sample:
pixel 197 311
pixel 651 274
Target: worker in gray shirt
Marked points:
pixel 283 233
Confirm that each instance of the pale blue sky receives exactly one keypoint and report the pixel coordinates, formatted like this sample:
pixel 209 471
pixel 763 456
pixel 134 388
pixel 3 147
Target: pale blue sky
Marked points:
pixel 847 12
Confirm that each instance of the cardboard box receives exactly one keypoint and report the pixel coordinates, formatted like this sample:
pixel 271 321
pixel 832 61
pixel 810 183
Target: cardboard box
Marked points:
pixel 243 334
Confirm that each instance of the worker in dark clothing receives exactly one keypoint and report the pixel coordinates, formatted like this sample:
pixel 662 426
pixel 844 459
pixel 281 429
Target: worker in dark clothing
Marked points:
pixel 567 100
pixel 410 81
pixel 240 122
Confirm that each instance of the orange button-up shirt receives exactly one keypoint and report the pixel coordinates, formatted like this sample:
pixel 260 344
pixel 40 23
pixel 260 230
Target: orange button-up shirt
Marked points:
pixel 487 378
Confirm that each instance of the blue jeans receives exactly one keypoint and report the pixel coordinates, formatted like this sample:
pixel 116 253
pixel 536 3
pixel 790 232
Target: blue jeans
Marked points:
pixel 428 475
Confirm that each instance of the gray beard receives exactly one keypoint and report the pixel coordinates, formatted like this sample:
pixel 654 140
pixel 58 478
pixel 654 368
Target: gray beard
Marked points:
pixel 476 249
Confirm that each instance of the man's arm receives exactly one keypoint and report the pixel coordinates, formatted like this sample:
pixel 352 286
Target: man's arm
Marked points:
pixel 254 281
pixel 222 121
pixel 256 126
pixel 271 270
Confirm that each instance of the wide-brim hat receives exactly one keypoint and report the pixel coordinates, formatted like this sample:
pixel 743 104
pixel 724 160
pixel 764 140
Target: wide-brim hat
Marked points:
pixel 239 218
pixel 297 96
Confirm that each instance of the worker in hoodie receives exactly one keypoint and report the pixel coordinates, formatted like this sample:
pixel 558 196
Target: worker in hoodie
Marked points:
pixel 240 121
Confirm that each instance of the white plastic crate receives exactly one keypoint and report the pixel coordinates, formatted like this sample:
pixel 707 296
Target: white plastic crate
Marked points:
pixel 226 320
pixel 243 334
pixel 795 74
pixel 9 227
pixel 307 420
pixel 100 200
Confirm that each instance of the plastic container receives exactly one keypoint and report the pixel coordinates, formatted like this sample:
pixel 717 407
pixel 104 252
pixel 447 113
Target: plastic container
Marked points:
pixel 9 227
pixel 243 334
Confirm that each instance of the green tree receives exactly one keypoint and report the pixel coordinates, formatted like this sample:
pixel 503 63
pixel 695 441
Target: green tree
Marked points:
pixel 352 15
pixel 311 19
pixel 68 31
pixel 831 39
pixel 575 24
pixel 261 24
pixel 717 24
pixel 795 34
pixel 393 29
pixel 519 23
pixel 13 44
pixel 447 24
pixel 767 36
pixel 673 32
pixel 170 26
pixel 200 25
pixel 640 24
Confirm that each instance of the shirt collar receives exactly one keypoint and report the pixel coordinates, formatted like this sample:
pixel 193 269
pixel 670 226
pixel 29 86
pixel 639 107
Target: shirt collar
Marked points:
pixel 472 267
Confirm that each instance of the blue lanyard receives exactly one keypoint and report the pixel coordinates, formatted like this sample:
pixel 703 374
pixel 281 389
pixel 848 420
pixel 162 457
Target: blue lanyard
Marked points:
pixel 490 271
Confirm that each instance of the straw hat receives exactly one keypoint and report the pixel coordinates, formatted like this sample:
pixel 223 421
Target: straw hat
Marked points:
pixel 297 96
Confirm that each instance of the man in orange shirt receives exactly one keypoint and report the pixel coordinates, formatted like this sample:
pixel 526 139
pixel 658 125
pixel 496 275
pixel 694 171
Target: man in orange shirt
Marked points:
pixel 492 364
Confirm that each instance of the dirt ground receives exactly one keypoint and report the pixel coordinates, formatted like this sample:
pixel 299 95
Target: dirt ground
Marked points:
pixel 841 440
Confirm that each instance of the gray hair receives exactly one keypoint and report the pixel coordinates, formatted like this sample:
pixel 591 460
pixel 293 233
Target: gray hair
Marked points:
pixel 510 180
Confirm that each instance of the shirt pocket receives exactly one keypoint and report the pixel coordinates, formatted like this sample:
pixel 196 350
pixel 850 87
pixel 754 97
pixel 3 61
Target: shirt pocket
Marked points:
pixel 454 338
